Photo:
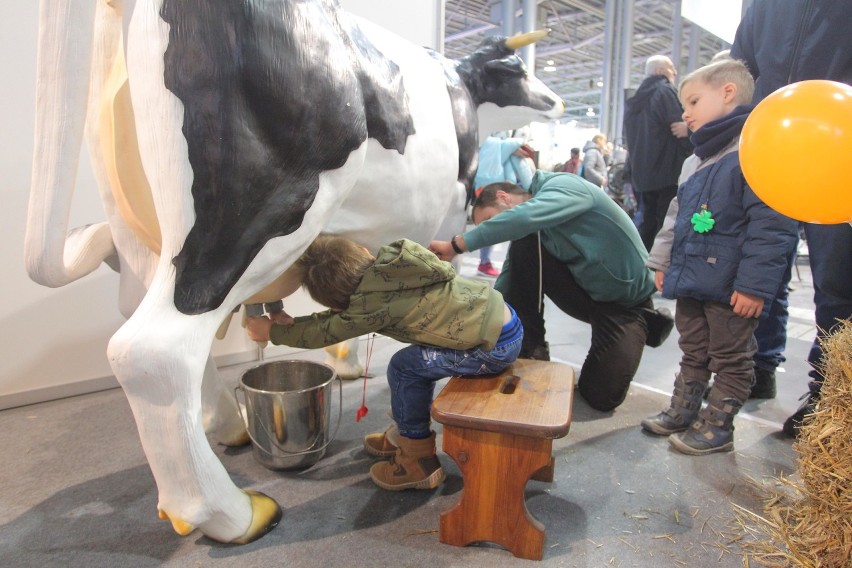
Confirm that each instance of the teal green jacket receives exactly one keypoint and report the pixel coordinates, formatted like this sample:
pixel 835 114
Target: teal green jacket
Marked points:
pixel 412 296
pixel 581 226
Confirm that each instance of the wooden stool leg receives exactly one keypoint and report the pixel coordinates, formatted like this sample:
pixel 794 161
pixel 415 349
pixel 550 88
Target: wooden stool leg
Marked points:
pixel 546 473
pixel 495 468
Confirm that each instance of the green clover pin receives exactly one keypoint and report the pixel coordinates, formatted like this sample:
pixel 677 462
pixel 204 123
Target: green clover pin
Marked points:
pixel 702 222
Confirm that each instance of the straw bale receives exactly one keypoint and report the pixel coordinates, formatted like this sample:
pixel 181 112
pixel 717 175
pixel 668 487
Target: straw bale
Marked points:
pixel 808 521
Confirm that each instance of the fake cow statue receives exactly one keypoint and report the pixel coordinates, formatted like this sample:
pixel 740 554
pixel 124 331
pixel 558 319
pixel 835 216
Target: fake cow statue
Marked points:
pixel 225 136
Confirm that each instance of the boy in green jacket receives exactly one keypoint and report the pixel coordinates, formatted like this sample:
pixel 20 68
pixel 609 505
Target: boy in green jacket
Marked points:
pixel 455 326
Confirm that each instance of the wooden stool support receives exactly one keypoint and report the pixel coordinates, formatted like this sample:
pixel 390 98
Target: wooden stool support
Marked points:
pixel 500 430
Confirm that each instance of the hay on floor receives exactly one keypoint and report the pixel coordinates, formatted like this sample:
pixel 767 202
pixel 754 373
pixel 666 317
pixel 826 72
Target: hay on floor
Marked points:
pixel 810 523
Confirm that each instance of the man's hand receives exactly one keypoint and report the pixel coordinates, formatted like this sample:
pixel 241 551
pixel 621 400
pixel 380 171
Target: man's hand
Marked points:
pixel 443 250
pixel 746 305
pixel 679 129
pixel 659 275
pixel 258 328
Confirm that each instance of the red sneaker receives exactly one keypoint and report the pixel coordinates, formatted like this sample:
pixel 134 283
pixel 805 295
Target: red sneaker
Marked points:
pixel 487 269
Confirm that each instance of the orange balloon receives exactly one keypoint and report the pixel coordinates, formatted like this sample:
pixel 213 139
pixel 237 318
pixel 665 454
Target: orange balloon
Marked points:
pixel 796 151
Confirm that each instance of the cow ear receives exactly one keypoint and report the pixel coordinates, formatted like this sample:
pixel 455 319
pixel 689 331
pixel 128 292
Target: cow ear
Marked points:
pixel 508 66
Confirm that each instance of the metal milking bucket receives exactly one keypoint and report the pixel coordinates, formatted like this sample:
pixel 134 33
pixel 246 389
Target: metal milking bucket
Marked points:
pixel 288 412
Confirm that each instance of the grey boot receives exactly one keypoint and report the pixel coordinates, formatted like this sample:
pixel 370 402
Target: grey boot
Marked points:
pixel 713 431
pixel 683 409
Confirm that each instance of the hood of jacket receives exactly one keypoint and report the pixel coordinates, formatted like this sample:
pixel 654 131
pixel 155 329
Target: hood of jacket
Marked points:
pixel 401 266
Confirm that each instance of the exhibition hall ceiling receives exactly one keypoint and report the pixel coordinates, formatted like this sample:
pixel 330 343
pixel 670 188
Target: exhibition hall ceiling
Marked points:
pixel 570 59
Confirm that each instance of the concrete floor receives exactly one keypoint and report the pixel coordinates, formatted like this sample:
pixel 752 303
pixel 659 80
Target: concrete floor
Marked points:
pixel 75 488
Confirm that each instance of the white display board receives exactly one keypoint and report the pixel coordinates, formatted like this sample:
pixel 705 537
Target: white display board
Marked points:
pixel 719 17
pixel 54 340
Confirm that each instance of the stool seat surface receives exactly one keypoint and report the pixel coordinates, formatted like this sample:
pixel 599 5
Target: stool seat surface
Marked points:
pixel 530 398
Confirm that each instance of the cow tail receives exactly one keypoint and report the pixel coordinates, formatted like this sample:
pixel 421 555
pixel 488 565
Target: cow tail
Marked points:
pixel 65 45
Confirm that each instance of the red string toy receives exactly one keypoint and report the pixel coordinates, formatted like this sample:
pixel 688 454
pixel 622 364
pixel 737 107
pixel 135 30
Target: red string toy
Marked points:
pixel 362 412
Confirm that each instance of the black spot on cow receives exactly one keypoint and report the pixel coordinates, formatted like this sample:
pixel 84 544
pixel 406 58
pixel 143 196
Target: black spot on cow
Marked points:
pixel 385 101
pixel 274 94
pixel 466 123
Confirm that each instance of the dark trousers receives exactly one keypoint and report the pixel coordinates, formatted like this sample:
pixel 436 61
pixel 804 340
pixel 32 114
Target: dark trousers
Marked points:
pixel 771 332
pixel 713 339
pixel 618 332
pixel 654 207
pixel 830 256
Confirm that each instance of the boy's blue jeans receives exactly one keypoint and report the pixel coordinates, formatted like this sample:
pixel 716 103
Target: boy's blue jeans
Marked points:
pixel 414 370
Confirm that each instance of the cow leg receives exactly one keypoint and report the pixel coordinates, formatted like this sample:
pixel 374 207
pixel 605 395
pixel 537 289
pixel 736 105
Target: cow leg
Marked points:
pixel 343 358
pixel 159 357
pixel 220 412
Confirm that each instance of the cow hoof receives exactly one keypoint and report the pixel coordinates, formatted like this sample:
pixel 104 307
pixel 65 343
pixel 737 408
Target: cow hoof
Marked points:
pixel 181 527
pixel 238 439
pixel 265 515
pixel 346 372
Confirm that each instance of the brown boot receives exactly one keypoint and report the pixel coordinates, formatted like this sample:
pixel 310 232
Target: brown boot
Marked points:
pixel 382 444
pixel 415 466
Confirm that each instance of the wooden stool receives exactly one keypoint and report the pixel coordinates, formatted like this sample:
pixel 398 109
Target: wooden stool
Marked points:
pixel 499 429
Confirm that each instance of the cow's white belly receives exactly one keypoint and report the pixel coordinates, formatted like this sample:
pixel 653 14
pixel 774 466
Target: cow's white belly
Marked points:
pixel 400 196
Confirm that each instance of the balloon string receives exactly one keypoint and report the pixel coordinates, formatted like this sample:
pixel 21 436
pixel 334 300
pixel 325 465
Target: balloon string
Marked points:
pixel 362 412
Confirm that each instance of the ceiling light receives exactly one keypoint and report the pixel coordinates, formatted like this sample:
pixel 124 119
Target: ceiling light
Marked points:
pixel 549 68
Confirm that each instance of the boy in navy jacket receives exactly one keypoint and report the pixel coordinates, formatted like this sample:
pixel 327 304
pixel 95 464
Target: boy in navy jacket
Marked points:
pixel 722 259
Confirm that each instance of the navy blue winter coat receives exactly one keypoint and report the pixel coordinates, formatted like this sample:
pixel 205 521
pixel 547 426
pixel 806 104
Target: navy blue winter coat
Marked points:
pixel 746 249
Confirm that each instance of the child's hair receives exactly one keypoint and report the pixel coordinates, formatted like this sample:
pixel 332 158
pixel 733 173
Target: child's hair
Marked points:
pixel 333 268
pixel 487 196
pixel 725 71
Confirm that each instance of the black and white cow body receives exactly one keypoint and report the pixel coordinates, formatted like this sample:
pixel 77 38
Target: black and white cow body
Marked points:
pixel 259 125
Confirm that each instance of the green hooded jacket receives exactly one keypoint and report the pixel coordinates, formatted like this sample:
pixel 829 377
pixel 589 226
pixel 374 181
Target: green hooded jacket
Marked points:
pixel 410 295
pixel 584 228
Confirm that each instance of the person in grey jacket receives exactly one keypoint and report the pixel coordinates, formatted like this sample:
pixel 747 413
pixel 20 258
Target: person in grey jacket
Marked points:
pixel 594 162
pixel 722 259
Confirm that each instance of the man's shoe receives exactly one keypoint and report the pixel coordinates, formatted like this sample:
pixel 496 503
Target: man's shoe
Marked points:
pixel 537 353
pixel 764 384
pixel 487 269
pixel 793 424
pixel 660 324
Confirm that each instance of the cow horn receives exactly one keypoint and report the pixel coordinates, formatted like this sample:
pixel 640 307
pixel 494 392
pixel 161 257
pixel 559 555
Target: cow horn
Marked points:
pixel 521 40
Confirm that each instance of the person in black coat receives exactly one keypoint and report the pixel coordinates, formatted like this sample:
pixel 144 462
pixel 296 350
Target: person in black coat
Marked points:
pixel 657 144
pixel 783 42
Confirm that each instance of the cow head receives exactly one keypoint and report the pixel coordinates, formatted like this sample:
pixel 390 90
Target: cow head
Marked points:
pixel 506 96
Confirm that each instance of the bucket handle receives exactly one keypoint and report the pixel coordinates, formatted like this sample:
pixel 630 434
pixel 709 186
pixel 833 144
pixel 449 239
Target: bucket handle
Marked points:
pixel 272 438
